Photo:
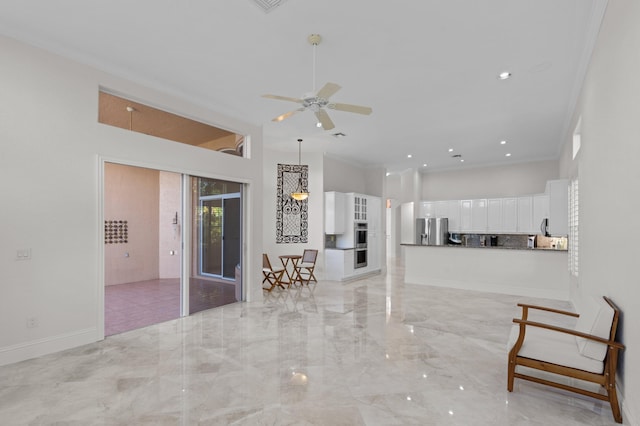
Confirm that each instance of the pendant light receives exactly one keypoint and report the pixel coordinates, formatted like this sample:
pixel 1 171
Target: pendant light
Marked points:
pixel 299 194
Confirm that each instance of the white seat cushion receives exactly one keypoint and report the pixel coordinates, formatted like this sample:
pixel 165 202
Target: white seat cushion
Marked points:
pixel 554 347
pixel 598 323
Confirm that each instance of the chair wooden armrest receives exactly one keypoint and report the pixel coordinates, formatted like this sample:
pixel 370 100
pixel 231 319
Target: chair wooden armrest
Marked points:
pixel 569 331
pixel 524 307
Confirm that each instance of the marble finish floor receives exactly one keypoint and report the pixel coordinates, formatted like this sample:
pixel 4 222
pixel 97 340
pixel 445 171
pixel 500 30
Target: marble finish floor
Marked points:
pixel 370 352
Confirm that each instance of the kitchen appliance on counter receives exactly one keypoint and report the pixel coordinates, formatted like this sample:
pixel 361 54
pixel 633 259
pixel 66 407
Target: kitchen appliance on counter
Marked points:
pixel 544 227
pixel 432 231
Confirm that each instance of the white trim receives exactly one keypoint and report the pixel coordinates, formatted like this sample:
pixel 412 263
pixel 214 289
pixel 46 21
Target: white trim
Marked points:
pixel 100 249
pixel 185 264
pixel 47 345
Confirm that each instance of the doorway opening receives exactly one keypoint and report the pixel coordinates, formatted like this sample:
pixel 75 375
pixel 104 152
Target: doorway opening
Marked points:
pixel 149 219
pixel 217 243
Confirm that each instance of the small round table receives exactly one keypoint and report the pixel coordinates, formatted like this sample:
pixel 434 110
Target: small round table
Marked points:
pixel 290 261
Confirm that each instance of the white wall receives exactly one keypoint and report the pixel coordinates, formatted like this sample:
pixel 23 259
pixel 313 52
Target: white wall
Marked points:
pixel 610 183
pixel 315 206
pixel 487 182
pixel 51 145
pixel 170 234
pixel 132 194
pixel 342 176
pixel 375 182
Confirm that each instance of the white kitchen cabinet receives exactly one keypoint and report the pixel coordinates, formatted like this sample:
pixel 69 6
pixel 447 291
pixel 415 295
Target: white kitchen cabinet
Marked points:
pixel 494 215
pixel 442 208
pixel 338 264
pixel 540 212
pixel 479 215
pixel 454 215
pixel 558 192
pixel 360 208
pixel 334 212
pixel 509 215
pixel 525 212
pixel 465 216
pixel 374 237
pixel 427 209
pixel 345 240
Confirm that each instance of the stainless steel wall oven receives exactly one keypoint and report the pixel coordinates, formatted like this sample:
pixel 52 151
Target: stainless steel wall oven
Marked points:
pixel 360 245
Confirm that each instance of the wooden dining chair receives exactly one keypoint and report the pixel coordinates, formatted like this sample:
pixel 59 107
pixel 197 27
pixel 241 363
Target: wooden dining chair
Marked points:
pixel 271 275
pixel 304 268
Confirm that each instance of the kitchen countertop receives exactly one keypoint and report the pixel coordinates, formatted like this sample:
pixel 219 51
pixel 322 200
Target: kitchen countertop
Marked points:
pixel 490 247
pixel 338 248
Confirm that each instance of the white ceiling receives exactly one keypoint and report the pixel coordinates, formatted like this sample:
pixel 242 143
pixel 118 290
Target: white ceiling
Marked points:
pixel 428 68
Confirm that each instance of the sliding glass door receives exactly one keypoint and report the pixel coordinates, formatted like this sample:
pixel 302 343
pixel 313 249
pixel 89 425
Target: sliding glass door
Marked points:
pixel 219 235
pixel 217 243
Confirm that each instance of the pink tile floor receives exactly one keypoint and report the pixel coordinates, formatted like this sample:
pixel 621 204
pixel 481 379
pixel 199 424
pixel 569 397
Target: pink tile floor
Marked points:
pixel 135 305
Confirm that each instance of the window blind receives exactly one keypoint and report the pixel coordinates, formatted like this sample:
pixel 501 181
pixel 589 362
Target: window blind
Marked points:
pixel 574 203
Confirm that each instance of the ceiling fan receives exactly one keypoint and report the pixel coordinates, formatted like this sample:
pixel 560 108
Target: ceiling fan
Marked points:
pixel 319 101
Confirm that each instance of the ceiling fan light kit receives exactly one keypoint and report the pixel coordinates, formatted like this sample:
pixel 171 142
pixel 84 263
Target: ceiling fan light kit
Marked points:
pixel 318 101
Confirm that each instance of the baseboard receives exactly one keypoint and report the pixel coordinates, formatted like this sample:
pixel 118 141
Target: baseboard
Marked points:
pixel 360 276
pixel 45 346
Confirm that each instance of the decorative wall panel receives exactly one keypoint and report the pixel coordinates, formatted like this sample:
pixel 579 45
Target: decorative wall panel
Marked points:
pixel 291 215
pixel 116 232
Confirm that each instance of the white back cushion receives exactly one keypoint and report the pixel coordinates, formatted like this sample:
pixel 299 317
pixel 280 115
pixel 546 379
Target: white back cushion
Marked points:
pixel 595 320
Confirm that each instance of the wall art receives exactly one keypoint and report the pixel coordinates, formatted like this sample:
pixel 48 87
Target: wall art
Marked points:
pixel 291 215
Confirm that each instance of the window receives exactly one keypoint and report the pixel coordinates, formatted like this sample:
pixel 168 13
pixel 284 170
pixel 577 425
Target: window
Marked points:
pixel 138 117
pixel 573 227
pixel 577 138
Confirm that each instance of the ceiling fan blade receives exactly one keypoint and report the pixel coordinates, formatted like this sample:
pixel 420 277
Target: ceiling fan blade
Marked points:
pixel 283 98
pixel 324 119
pixel 287 114
pixel 351 108
pixel 328 90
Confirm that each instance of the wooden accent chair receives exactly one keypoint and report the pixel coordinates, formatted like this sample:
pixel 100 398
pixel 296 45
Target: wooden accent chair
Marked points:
pixel 588 352
pixel 304 269
pixel 271 275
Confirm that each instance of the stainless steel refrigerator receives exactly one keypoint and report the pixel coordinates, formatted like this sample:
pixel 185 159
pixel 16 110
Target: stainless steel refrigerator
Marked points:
pixel 432 231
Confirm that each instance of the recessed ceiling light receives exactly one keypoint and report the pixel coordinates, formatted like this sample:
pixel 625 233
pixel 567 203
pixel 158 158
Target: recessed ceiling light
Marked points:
pixel 318 124
pixel 388 174
pixel 424 165
pixel 503 142
pixel 450 149
pixel 409 156
pixel 504 75
pixel 507 154
pixel 462 160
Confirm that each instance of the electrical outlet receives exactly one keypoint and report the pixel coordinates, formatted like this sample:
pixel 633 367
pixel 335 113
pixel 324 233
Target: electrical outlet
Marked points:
pixel 32 322
pixel 23 254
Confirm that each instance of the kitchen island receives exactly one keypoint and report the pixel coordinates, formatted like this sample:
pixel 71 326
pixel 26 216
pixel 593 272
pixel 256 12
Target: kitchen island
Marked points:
pixel 523 272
